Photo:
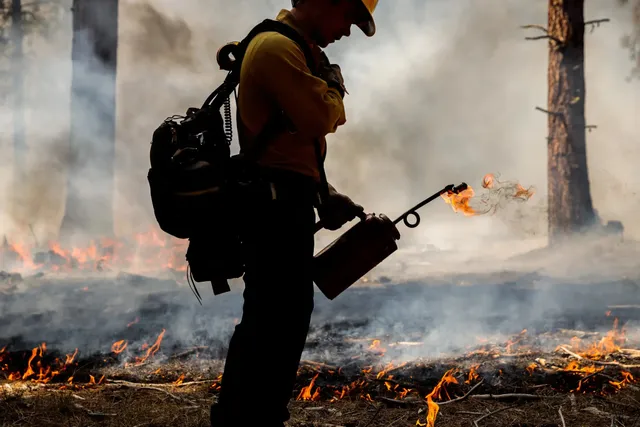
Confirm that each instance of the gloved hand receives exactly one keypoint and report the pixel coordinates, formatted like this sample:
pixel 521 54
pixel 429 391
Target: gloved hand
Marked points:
pixel 337 210
pixel 332 74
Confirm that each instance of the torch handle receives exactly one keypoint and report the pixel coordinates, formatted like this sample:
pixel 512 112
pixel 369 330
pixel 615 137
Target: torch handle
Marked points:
pixel 319 225
pixel 413 212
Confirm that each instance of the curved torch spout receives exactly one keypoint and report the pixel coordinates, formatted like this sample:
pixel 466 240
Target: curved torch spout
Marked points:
pixel 413 212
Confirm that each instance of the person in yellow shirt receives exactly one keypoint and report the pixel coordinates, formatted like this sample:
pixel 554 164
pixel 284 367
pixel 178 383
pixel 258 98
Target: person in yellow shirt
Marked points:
pixel 276 83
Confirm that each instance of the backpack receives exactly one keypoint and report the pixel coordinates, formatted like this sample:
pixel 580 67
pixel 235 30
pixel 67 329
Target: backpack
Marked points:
pixel 193 176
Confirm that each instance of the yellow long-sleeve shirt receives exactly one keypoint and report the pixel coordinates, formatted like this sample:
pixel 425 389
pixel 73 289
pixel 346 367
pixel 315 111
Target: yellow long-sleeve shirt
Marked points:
pixel 275 77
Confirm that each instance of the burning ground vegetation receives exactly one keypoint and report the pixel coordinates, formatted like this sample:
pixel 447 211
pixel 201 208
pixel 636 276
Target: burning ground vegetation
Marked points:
pixel 558 378
pixel 80 346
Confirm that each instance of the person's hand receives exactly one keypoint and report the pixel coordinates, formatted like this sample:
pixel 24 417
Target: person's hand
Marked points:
pixel 332 74
pixel 337 210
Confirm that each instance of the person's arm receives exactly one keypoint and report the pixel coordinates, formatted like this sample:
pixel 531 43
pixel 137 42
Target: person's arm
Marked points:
pixel 314 108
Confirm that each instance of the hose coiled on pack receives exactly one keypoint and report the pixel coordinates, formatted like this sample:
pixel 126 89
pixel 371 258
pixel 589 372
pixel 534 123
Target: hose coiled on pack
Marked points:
pixel 228 124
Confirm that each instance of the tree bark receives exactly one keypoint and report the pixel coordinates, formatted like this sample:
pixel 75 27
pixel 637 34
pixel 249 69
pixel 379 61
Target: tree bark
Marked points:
pixel 90 181
pixel 570 205
pixel 17 77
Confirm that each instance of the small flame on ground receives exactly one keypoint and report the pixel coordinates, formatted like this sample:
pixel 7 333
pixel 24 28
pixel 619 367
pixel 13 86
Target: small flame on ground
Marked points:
pixel 307 393
pixel 473 374
pixel 119 346
pixel 150 350
pixel 37 370
pixel 447 378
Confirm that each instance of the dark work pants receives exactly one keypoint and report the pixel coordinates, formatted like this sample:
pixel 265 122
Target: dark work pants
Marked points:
pixel 266 347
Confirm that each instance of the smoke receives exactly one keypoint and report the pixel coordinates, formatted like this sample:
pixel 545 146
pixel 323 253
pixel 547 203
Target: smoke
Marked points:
pixel 444 93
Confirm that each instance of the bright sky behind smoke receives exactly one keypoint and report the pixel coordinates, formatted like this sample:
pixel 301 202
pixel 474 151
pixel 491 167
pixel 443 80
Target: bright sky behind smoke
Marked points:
pixel 445 92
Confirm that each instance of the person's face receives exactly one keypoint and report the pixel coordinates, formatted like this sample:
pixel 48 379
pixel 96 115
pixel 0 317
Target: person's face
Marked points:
pixel 336 19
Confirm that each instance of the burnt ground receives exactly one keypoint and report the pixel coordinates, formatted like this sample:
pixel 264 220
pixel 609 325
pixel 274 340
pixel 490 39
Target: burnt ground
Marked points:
pixel 458 321
pixel 152 397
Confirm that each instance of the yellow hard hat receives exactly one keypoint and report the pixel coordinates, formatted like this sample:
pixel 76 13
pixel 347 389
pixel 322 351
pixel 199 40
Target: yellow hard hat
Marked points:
pixel 368 26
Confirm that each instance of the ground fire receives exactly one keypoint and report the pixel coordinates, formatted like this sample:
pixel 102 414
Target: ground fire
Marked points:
pixel 520 369
pixel 495 375
pixel 148 252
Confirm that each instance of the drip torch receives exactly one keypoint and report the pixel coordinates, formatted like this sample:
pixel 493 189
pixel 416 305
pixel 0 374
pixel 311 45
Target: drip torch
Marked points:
pixel 364 246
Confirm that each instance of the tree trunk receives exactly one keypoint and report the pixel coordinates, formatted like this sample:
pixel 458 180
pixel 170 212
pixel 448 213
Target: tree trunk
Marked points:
pixel 17 77
pixel 570 205
pixel 90 181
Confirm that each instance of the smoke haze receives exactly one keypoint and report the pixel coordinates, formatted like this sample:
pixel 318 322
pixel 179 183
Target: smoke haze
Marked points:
pixel 444 93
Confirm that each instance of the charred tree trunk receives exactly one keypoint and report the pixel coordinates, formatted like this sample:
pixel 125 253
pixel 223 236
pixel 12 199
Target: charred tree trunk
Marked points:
pixel 17 77
pixel 90 181
pixel 570 205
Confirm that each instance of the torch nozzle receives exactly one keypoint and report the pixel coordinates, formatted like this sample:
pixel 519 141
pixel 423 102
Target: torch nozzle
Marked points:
pixel 460 188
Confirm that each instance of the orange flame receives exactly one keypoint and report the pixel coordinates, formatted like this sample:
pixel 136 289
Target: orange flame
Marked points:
pixel 447 378
pixel 532 367
pixel 610 343
pixel 180 380
pixel 460 202
pixel 119 346
pixel 497 193
pixel 473 374
pixel 148 252
pixel 152 350
pixel 36 370
pixel 306 392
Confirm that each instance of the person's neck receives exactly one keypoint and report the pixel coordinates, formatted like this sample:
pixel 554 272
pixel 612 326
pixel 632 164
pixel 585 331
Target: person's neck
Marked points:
pixel 304 22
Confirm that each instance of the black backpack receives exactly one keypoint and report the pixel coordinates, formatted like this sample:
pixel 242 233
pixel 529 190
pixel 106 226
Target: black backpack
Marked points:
pixel 193 176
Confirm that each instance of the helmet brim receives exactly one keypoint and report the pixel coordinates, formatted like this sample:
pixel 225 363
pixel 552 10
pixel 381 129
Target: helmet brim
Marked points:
pixel 365 20
pixel 368 27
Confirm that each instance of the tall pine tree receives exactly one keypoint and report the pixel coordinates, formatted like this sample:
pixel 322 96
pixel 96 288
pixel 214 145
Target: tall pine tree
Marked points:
pixel 570 205
pixel 90 181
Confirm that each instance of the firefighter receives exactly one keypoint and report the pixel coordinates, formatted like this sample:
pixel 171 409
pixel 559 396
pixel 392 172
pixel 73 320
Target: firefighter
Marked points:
pixel 267 344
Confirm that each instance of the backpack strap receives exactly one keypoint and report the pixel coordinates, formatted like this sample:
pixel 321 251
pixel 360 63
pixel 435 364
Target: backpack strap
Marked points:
pixel 232 80
pixel 275 125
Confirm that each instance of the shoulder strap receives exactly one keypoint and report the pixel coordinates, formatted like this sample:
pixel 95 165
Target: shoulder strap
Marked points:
pixel 273 127
pixel 224 91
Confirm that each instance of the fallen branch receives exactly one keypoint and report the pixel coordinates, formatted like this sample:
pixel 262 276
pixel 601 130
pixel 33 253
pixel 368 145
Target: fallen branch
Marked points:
pixel 598 362
pixel 319 365
pixel 396 402
pixel 475 422
pixel 92 413
pixel 188 352
pixel 506 396
pixel 151 387
pixel 561 417
pixel 632 353
pixel 466 395
pixel 613 402
pixel 374 416
pixel 131 384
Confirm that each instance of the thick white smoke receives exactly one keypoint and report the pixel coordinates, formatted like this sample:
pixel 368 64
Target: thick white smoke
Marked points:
pixel 444 93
